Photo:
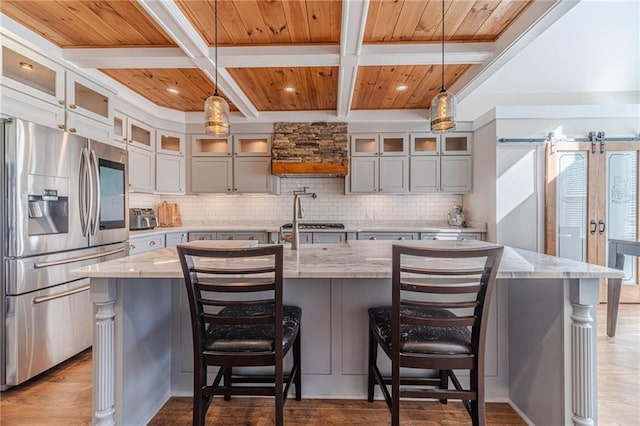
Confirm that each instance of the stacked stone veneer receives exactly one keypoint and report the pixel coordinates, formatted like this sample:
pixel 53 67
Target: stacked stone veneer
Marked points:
pixel 309 142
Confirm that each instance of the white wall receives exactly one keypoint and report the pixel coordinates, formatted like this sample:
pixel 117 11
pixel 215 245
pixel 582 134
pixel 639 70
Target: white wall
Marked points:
pixel 480 206
pixel 331 204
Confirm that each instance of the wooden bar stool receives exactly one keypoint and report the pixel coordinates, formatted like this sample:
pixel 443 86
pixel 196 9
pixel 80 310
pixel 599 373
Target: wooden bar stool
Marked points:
pixel 437 321
pixel 235 324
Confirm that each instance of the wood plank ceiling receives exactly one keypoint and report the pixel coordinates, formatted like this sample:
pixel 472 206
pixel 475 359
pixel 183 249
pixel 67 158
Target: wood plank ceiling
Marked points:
pixel 295 44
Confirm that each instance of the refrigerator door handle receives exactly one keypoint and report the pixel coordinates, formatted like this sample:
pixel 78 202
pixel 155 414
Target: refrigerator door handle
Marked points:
pixel 39 265
pixel 96 194
pixel 82 192
pixel 42 299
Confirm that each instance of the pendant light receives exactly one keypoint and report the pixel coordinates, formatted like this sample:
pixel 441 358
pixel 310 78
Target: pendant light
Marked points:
pixel 216 108
pixel 443 105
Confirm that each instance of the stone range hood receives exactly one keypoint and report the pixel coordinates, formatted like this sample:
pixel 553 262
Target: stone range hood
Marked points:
pixel 309 150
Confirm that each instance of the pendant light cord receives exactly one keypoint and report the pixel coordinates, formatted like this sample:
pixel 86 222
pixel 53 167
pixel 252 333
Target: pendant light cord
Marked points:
pixel 216 45
pixel 442 88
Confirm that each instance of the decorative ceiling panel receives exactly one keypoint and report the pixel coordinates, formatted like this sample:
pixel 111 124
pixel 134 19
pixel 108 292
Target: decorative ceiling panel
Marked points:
pixel 310 88
pixel 191 83
pixel 259 22
pixel 465 20
pixel 377 87
pixel 75 23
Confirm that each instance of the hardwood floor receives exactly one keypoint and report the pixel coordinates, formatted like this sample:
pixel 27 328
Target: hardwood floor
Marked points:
pixel 62 396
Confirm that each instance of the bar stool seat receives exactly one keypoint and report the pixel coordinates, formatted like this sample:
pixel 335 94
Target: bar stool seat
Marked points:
pixel 422 339
pixel 252 338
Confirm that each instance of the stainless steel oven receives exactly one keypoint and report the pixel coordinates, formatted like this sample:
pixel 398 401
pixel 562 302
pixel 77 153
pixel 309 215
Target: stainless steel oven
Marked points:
pixel 64 205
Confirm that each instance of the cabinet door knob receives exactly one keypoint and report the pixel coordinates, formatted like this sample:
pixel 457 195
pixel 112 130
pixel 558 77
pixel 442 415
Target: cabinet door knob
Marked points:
pixel 61 126
pixel 229 189
pixel 72 129
pixel 231 238
pixel 132 246
pixel 235 189
pixel 130 140
pixel 61 102
pixel 252 238
pixel 72 106
pixel 372 238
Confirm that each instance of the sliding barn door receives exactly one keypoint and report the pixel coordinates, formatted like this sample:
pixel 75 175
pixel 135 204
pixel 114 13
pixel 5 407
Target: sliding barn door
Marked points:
pixel 591 196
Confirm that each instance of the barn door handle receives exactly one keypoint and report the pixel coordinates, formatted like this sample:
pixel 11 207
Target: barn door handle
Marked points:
pixel 595 226
pixel 602 226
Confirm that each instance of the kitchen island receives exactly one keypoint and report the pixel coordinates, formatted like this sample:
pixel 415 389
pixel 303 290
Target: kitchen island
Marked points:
pixel 541 344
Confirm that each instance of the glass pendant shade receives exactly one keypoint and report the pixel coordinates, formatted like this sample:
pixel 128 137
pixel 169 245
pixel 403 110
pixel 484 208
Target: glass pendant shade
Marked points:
pixel 216 116
pixel 443 112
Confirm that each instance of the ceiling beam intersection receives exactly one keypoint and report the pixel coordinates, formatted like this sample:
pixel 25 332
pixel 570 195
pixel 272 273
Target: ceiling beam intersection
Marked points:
pixel 171 19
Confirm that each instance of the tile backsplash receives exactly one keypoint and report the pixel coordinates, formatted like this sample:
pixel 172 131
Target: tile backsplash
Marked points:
pixel 331 204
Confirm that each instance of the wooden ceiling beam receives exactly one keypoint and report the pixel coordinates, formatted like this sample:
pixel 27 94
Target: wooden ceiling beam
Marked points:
pixel 170 17
pixel 535 20
pixel 354 21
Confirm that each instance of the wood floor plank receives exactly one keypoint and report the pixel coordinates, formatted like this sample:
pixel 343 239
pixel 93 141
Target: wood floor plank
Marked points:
pixel 62 396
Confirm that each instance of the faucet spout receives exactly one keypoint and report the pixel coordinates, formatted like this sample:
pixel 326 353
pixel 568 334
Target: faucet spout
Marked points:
pixel 298 213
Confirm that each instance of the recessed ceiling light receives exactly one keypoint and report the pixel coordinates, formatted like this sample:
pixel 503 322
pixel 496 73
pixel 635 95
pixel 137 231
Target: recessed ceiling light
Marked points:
pixel 289 89
pixel 173 90
pixel 26 66
pixel 402 87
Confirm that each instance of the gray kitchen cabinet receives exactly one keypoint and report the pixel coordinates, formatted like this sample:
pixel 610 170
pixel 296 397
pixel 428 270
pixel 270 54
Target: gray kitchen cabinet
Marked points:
pixel 388 236
pixel 394 175
pixel 140 135
pixel 305 238
pixel 456 173
pixel 211 174
pixel 172 239
pixel 252 174
pixel 170 174
pixel 364 174
pixel 453 235
pixel 200 236
pixel 425 174
pixel 142 170
pixel 220 166
pixel 329 237
pixel 441 163
pixel 144 244
pixel 261 237
pixel 379 163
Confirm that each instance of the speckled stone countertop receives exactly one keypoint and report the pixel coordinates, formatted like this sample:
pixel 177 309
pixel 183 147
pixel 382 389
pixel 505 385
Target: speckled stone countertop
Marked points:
pixel 356 259
pixel 349 226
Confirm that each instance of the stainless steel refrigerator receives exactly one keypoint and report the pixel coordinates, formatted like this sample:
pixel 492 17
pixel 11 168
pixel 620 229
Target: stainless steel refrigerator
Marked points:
pixel 64 205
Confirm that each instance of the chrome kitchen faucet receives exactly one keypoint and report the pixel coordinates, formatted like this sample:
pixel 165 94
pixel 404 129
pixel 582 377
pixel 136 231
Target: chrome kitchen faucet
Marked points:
pixel 298 213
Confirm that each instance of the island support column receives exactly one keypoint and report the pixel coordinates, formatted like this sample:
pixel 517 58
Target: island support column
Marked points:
pixel 584 295
pixel 103 296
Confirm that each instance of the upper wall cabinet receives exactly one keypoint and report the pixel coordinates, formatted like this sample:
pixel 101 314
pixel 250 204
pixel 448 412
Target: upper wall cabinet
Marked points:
pixel 170 162
pixel 441 163
pixel 367 145
pixel 56 97
pixel 140 135
pixel 246 168
pixel 170 143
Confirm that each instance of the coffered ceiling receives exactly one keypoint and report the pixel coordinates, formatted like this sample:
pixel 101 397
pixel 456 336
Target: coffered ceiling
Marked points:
pixel 290 55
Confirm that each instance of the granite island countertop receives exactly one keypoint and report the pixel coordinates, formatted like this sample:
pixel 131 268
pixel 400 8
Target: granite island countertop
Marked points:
pixel 356 259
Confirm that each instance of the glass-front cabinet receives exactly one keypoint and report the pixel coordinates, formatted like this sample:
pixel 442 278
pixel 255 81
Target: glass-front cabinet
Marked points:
pixel 207 145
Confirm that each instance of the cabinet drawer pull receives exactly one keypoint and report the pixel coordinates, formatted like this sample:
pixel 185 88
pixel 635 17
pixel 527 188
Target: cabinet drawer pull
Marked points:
pixel 372 238
pixel 152 243
pixel 401 238
pixel 231 238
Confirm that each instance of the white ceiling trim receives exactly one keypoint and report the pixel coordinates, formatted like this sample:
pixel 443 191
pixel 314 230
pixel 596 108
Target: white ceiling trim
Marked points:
pixel 535 20
pixel 278 56
pixel 132 57
pixel 425 53
pixel 170 18
pixel 354 21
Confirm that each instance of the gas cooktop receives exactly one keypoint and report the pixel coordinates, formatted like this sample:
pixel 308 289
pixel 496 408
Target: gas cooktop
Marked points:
pixel 311 225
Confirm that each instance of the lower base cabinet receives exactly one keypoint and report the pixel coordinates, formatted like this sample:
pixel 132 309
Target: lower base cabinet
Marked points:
pixel 147 243
pixel 259 236
pixel 388 236
pixel 172 239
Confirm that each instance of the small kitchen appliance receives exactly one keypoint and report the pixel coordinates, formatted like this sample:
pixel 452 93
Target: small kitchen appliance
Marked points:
pixel 140 219
pixel 456 216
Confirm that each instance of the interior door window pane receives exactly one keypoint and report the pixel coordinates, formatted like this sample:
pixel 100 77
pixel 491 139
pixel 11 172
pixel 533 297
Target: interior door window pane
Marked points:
pixel 622 196
pixel 572 205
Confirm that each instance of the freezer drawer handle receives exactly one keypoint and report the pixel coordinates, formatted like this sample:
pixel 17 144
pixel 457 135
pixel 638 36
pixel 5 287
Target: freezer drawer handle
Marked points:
pixel 43 299
pixel 77 259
